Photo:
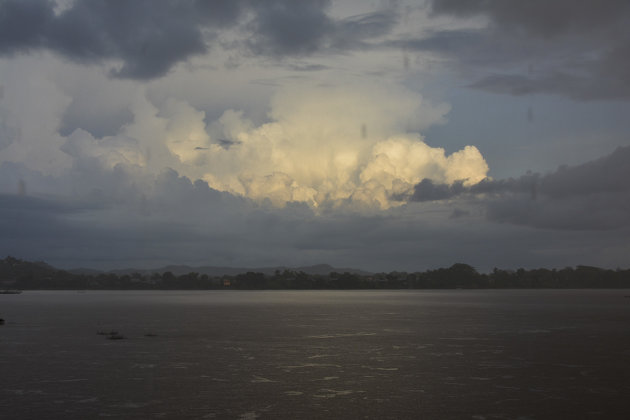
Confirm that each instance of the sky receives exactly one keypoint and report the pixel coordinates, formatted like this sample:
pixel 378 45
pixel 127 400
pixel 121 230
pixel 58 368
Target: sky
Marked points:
pixel 379 135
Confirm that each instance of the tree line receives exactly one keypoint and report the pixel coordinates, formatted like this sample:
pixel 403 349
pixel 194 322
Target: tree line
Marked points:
pixel 24 275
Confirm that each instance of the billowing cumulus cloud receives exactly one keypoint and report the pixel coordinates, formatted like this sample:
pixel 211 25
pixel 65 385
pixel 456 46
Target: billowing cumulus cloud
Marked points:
pixel 118 200
pixel 326 145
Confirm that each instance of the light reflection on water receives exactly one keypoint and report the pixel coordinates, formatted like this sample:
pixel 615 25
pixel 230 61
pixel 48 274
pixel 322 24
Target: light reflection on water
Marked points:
pixel 316 354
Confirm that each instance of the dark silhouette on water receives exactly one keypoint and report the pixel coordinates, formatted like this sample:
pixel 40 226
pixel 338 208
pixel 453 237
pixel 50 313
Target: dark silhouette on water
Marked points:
pixel 116 337
pixel 111 335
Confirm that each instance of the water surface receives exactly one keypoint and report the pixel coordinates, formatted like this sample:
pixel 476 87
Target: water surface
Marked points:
pixel 458 354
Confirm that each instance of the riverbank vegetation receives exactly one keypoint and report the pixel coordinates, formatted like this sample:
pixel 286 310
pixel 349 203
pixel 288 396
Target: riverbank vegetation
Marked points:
pixel 25 275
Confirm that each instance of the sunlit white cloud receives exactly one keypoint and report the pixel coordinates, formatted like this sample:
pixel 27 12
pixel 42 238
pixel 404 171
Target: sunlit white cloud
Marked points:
pixel 324 144
pixel 327 144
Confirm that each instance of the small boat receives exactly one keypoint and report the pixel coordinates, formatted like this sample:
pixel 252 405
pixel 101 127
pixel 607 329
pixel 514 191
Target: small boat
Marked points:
pixel 10 292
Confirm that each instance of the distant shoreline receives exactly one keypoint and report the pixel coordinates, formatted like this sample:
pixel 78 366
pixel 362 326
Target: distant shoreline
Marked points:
pixel 18 275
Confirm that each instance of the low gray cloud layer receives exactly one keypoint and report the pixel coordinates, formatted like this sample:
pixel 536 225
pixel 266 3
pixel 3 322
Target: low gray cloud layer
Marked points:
pixel 594 195
pixel 111 217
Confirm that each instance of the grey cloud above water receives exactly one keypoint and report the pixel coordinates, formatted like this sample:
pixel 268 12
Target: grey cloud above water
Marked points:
pixel 106 237
pixel 594 195
pixel 111 218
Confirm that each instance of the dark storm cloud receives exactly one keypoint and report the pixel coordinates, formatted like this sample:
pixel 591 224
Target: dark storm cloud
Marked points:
pixel 119 220
pixel 23 24
pixel 25 219
pixel 56 230
pixel 548 18
pixel 610 174
pixel 576 49
pixel 151 37
pixel 427 190
pixel 355 31
pixel 283 28
pixel 171 219
pixel 35 226
pixel 289 28
pixel 109 216
pixel 594 212
pixel 594 195
pixel 17 205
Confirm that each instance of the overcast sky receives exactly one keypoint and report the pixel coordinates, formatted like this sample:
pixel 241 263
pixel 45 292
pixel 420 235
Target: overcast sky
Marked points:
pixel 381 135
